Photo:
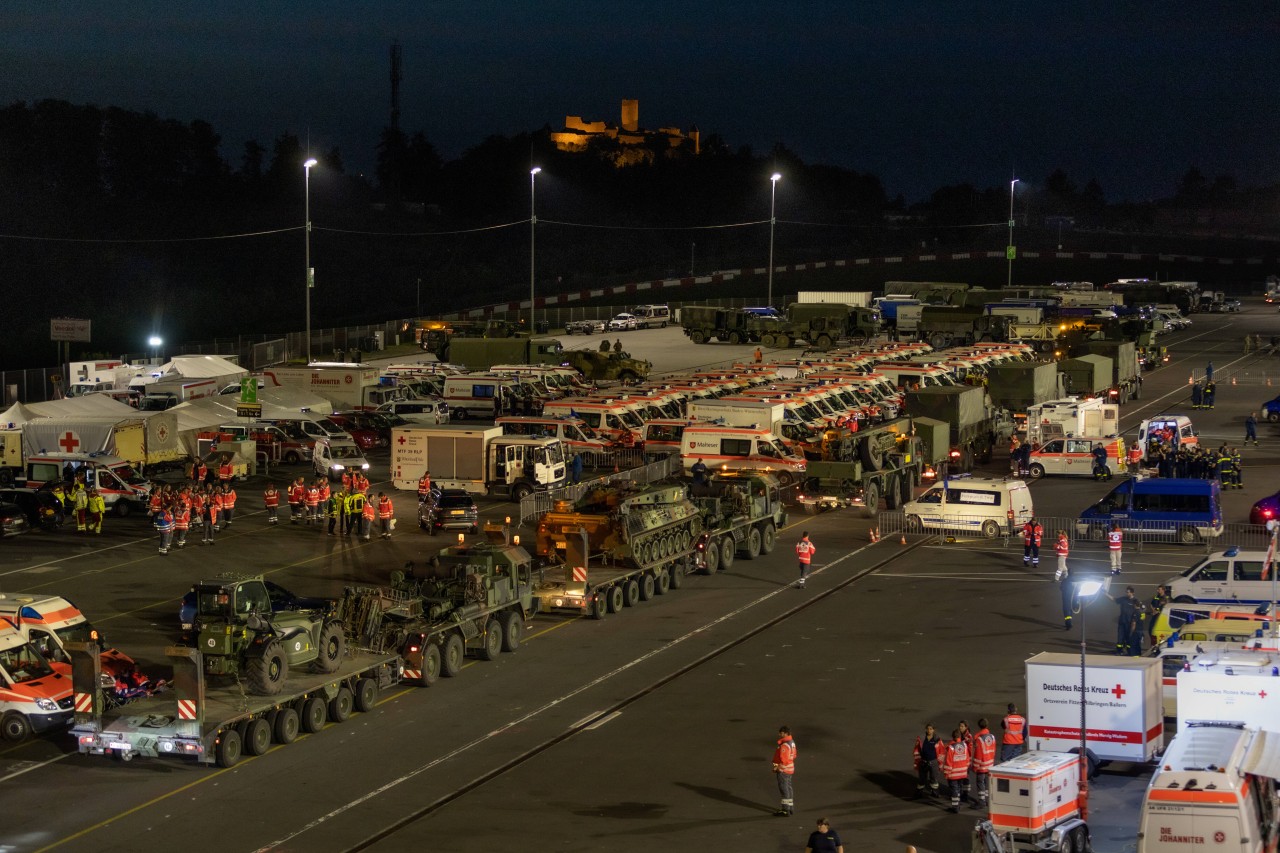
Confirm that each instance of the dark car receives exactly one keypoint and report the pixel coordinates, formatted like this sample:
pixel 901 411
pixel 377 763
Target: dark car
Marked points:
pixel 448 509
pixel 12 520
pixel 40 506
pixel 281 599
pixel 1267 509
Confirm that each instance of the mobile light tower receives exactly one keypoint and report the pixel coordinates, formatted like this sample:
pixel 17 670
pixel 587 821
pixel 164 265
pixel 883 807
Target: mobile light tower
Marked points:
pixel 773 220
pixel 310 273
pixel 1086 590
pixel 533 231
pixel 155 343
pixel 1009 250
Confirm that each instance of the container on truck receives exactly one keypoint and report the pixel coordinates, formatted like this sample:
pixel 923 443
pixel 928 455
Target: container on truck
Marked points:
pixel 1021 385
pixel 1086 376
pixel 976 424
pixel 347 386
pixel 480 460
pixel 1126 372
pixel 1124 713
pixel 746 413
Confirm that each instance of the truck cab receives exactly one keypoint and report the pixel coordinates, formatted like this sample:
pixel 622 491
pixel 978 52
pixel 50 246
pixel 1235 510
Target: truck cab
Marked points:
pixel 35 693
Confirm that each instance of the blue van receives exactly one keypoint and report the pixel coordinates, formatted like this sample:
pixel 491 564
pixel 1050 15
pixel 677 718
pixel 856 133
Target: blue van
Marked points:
pixel 1179 510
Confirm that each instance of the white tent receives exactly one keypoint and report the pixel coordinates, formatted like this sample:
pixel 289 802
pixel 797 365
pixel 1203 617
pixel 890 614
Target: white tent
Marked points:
pixel 16 415
pixel 201 367
pixel 90 406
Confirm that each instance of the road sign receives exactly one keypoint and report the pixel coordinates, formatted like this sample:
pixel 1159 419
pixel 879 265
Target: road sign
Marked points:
pixel 1010 252
pixel 248 410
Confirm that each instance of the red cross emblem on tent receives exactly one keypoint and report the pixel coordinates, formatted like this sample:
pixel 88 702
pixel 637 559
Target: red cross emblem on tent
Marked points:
pixel 1119 691
pixel 69 442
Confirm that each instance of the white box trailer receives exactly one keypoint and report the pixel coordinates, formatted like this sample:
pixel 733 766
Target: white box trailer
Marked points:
pixel 854 299
pixel 1034 803
pixel 480 460
pixel 1250 697
pixel 345 385
pixel 1124 712
pixel 739 413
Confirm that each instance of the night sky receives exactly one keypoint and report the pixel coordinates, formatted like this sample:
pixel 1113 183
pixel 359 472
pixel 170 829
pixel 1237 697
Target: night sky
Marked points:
pixel 922 94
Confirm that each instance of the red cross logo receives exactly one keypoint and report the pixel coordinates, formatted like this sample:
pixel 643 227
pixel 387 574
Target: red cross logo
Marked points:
pixel 69 442
pixel 401 440
pixel 1119 691
pixel 1262 694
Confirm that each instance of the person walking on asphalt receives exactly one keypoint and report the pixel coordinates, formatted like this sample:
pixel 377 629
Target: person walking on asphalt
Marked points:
pixel 984 758
pixel 1032 534
pixel 1251 429
pixel 1208 372
pixel 784 768
pixel 929 749
pixel 824 839
pixel 1115 547
pixel 1014 726
pixel 955 764
pixel 1063 577
pixel 804 553
pixel 1128 623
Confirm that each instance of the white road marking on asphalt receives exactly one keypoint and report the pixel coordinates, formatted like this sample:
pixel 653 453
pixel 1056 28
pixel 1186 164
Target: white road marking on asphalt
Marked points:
pixel 600 722
pixel 34 766
pixel 519 721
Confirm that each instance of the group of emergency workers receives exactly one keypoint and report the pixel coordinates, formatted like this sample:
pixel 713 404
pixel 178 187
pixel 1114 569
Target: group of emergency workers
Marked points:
pixel 175 509
pixel 967 752
pixel 1196 462
pixel 85 504
pixel 350 510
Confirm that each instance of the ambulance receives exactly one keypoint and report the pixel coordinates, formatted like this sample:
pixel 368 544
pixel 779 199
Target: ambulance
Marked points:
pixel 1071 417
pixel 611 419
pixel 1154 430
pixel 51 621
pixel 574 432
pixel 1213 790
pixel 123 489
pixel 1074 456
pixel 730 448
pixel 35 693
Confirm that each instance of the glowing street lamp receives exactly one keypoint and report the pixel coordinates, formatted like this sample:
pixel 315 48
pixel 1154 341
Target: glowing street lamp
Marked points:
pixel 155 342
pixel 310 273
pixel 1009 250
pixel 533 230
pixel 773 220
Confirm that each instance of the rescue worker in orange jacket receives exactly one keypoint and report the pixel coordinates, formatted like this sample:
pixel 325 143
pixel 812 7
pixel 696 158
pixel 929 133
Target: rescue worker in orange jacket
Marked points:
pixel 804 553
pixel 424 486
pixel 1063 548
pixel 925 757
pixel 385 511
pixel 1032 534
pixel 228 504
pixel 181 523
pixel 984 758
pixel 311 503
pixel 366 523
pixel 225 470
pixel 271 500
pixel 784 768
pixel 955 766
pixel 1014 726
pixel 297 493
pixel 1115 547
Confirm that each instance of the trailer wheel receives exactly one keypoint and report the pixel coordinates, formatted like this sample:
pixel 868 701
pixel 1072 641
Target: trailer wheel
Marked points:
pixel 630 593
pixel 727 551
pixel 286 726
pixel 663 581
pixel 871 499
pixel 333 647
pixel 366 695
pixel 752 544
pixel 512 622
pixel 492 640
pixel 451 655
pixel 314 714
pixel 599 606
pixel 255 736
pixel 430 663
pixel 1081 836
pixel 1068 844
pixel 341 704
pixel 823 342
pixel 15 727
pixel 712 556
pixel 647 587
pixel 229 746
pixel 677 575
pixel 615 599
pixel 768 538
pixel 266 674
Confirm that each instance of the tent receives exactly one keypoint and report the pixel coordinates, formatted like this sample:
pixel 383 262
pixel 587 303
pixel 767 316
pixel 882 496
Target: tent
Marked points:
pixel 16 415
pixel 88 406
pixel 201 367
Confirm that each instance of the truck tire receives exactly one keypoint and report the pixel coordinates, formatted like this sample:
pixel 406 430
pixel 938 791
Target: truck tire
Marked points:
pixel 332 647
pixel 1036 470
pixel 785 478
pixel 823 342
pixel 871 454
pixel 431 658
pixel 228 750
pixel 452 655
pixel 366 695
pixel 990 529
pixel 614 594
pixel 769 340
pixel 892 493
pixel 521 491
pixel 292 457
pixel 783 341
pixel 663 582
pixel 285 728
pixel 341 705
pixel 751 544
pixel 735 337
pixel 15 727
pixel 492 640
pixel 871 499
pixel 122 508
pixel 712 556
pixel 698 336
pixel 512 622
pixel 1081 837
pixel 266 674
pixel 768 538
pixel 315 713
pixel 630 593
pixel 677 575
pixel 647 586
pixel 727 551
pixel 938 340
pixel 255 735
pixel 599 606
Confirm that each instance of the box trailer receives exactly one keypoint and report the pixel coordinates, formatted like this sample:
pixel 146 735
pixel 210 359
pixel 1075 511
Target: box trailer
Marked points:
pixel 481 460
pixel 1034 802
pixel 1124 710
pixel 1250 697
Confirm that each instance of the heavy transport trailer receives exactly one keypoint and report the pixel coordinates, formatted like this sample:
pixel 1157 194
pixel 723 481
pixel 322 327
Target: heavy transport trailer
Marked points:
pixel 218 724
pixel 742 512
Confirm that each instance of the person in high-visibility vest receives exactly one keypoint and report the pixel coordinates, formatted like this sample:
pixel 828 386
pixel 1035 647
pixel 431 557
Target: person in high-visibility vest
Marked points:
pixel 80 495
pixel 784 769
pixel 271 500
pixel 164 524
pixel 354 514
pixel 96 506
pixel 955 766
pixel 1032 534
pixel 297 492
pixel 1063 548
pixel 212 514
pixel 424 486
pixel 1014 726
pixel 311 501
pixel 984 758
pixel 181 523
pixel 385 511
pixel 225 471
pixel 228 504
pixel 804 553
pixel 1115 545
pixel 366 519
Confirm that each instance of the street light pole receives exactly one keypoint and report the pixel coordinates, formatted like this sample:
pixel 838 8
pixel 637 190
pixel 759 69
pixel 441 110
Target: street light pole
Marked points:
pixel 310 274
pixel 1009 250
pixel 533 231
pixel 1085 591
pixel 773 220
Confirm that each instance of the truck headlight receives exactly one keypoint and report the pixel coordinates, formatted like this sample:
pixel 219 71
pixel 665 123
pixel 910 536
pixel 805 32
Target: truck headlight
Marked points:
pixel 46 705
pixel 364 466
pixel 335 466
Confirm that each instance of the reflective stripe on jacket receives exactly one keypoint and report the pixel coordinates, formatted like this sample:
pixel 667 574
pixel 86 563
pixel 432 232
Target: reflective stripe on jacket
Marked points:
pixel 984 751
pixel 805 550
pixel 1015 726
pixel 955 764
pixel 784 757
pixel 1114 538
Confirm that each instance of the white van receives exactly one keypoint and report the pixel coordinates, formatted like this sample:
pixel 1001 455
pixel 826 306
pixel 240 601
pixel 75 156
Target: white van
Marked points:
pixel 978 505
pixel 420 411
pixel 729 448
pixel 335 456
pixel 1074 456
pixel 652 316
pixel 1226 577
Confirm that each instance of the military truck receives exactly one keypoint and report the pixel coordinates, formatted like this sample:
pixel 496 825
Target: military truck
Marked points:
pixel 1087 375
pixel 705 323
pixel 437 336
pixel 893 459
pixel 1126 383
pixel 823 325
pixel 617 546
pixel 483 353
pixel 470 597
pixel 1020 385
pixel 944 325
pixel 977 425
pixel 240 636
pixel 741 514
pixel 600 366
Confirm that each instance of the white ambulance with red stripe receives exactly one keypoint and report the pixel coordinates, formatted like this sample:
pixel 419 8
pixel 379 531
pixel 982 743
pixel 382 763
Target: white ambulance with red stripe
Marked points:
pixel 1074 456
pixel 35 692
pixel 729 448
pixel 51 621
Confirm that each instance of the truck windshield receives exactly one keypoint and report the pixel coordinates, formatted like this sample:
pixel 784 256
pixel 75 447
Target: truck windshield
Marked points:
pixel 329 426
pixel 128 475
pixel 23 663
pixel 573 433
pixel 213 603
pixel 807 412
pixel 81 632
pixel 345 451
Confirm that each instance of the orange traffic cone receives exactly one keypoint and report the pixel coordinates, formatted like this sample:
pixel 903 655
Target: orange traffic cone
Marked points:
pixel 874 537
pixel 1191 379
pixel 1233 380
pixel 903 540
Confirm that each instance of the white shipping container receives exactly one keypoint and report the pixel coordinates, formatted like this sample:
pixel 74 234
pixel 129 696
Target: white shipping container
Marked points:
pixel 855 299
pixel 1124 713
pixel 741 414
pixel 1252 699
pixel 453 453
